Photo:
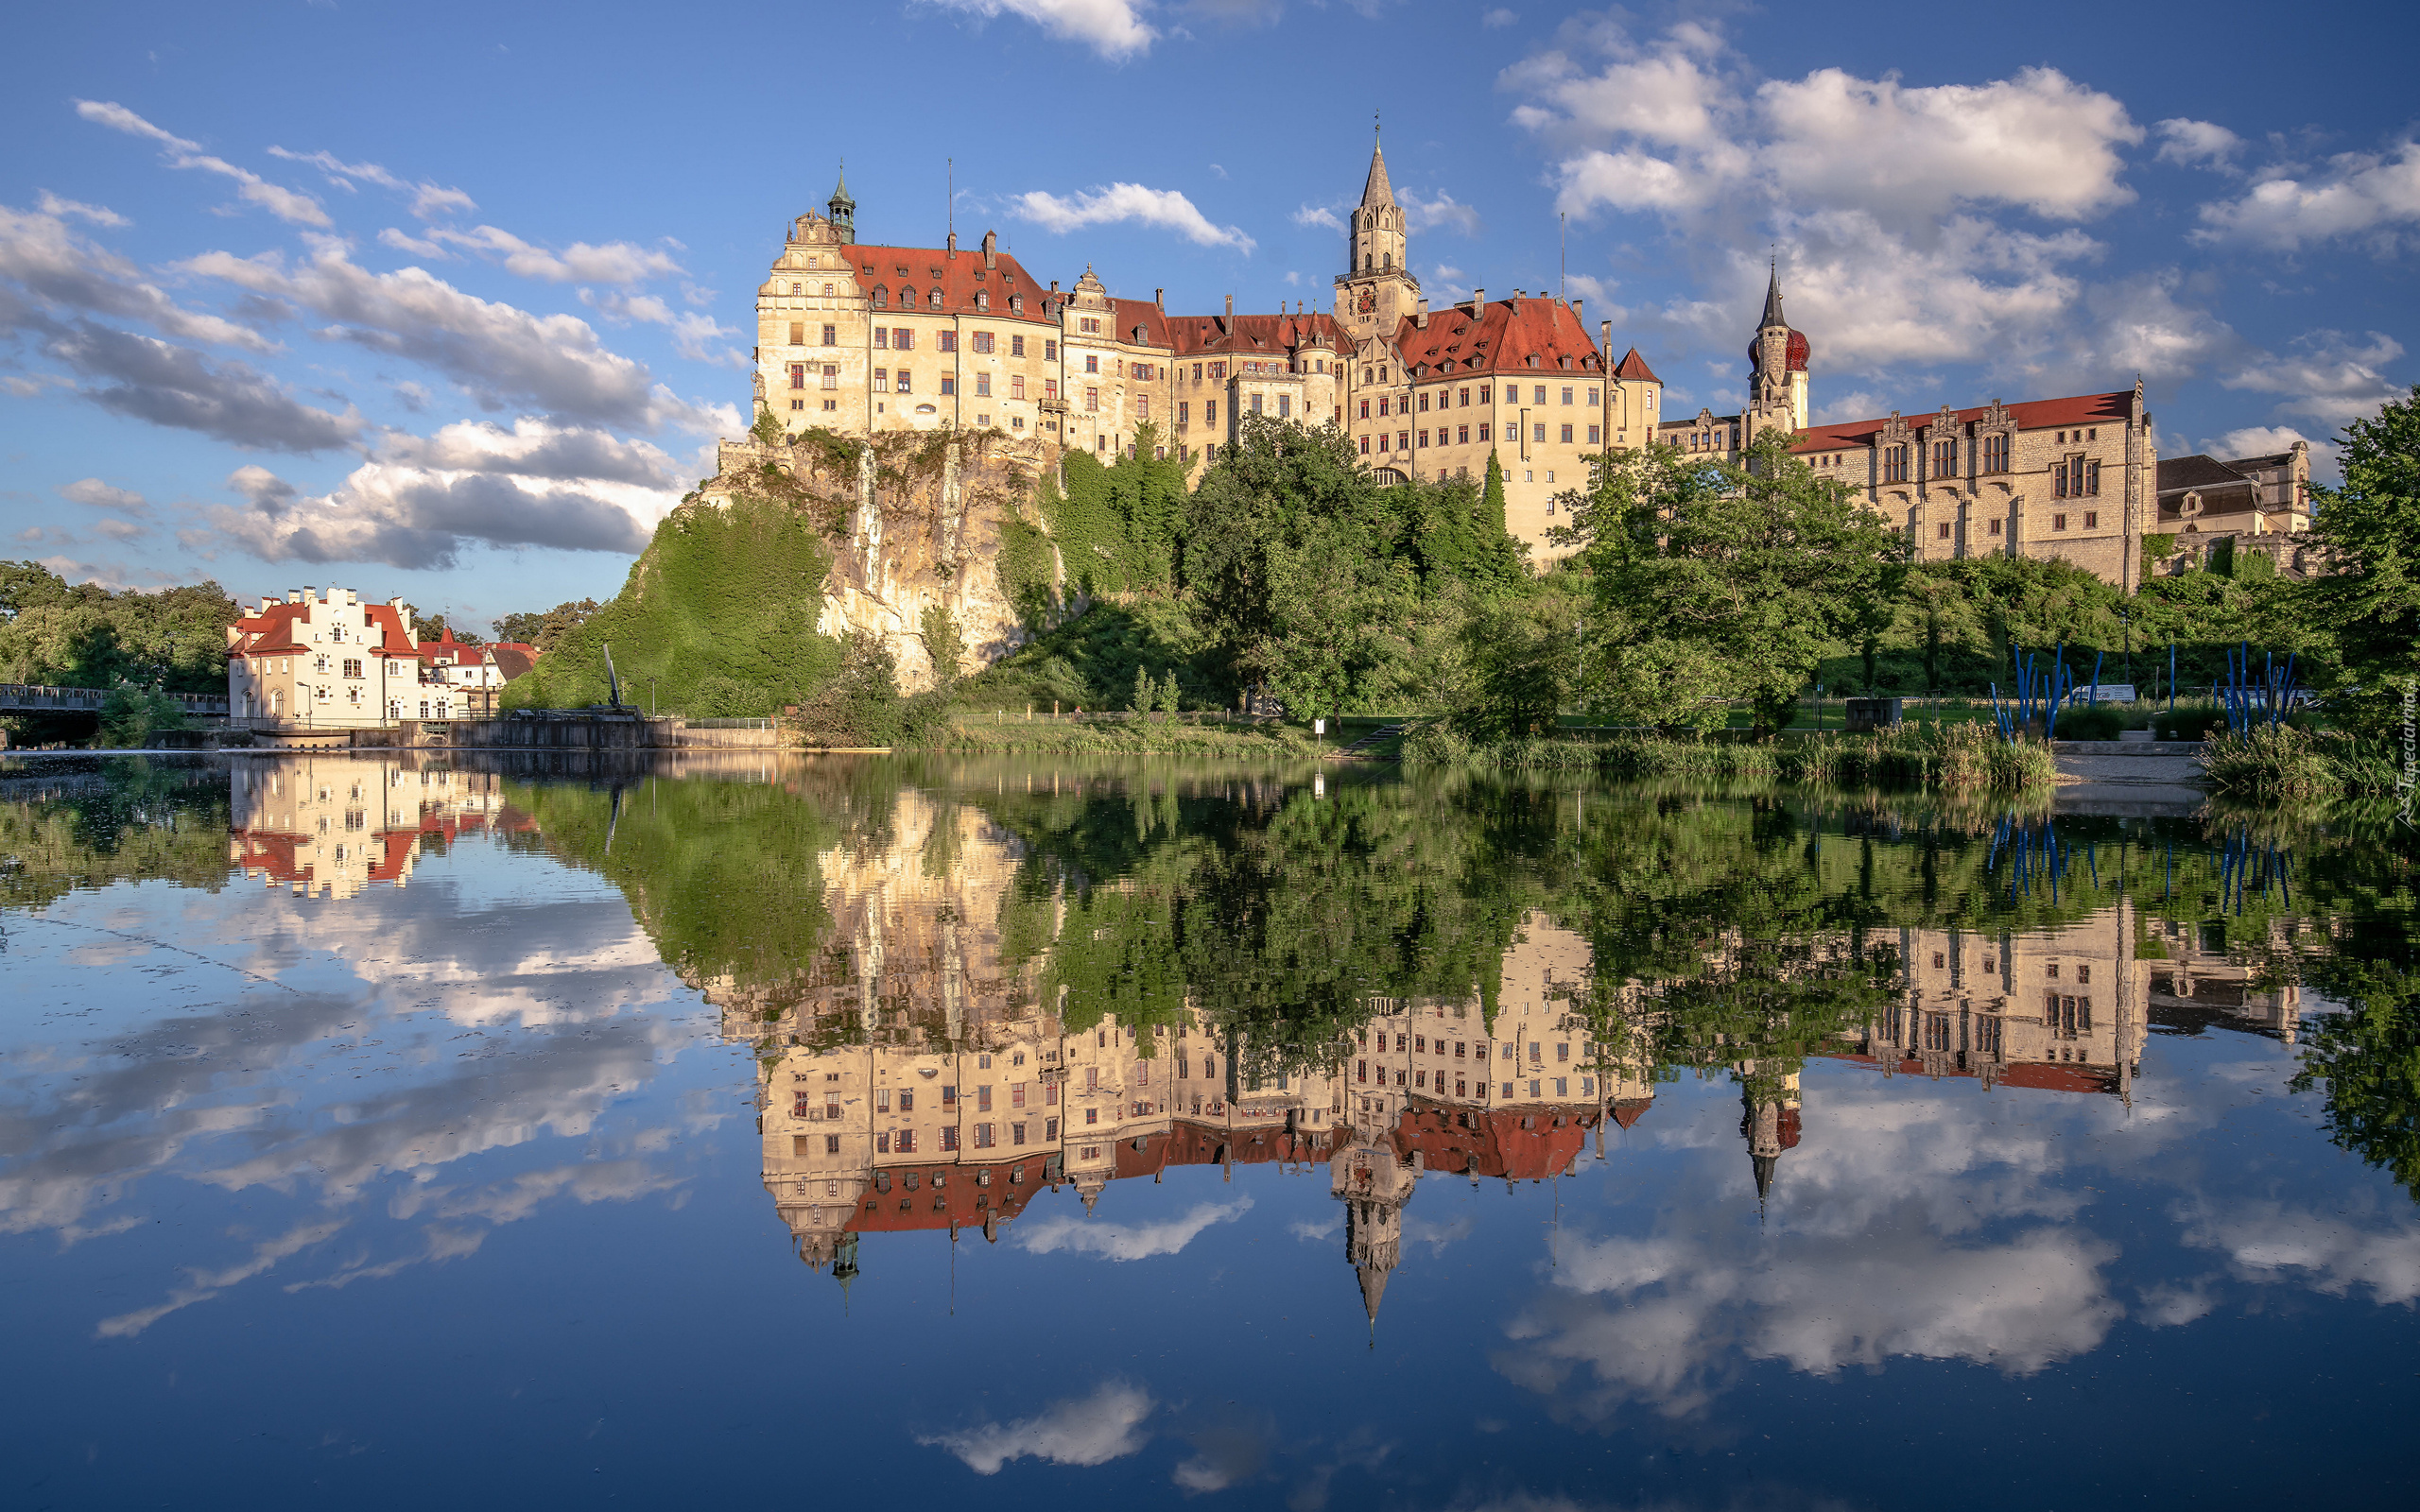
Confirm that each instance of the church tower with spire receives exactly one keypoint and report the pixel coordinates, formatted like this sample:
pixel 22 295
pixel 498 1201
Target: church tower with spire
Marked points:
pixel 1376 292
pixel 1373 1184
pixel 1776 370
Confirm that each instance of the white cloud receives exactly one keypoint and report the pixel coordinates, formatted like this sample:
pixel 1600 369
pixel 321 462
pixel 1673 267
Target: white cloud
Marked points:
pixel 1499 17
pixel 1319 215
pixel 2326 457
pixel 2330 1253
pixel 404 241
pixel 1440 210
pixel 2369 199
pixel 1114 28
pixel 206 1284
pixel 2197 144
pixel 43 254
pixel 694 333
pixel 427 198
pixel 613 263
pixel 503 354
pixel 50 204
pixel 145 378
pixel 420 502
pixel 1094 1430
pixel 2328 376
pixel 285 204
pixel 1167 209
pixel 1118 1240
pixel 101 496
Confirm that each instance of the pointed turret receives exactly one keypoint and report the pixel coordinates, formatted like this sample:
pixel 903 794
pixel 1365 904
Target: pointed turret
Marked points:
pixel 1377 191
pixel 843 209
pixel 1776 368
pixel 1772 300
pixel 1373 1291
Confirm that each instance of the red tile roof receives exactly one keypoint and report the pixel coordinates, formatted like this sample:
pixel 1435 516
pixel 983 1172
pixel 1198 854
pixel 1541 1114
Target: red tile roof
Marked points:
pixel 2030 1073
pixel 1254 335
pixel 2031 414
pixel 1499 339
pixel 1633 369
pixel 879 267
pixel 1133 315
pixel 273 632
pixel 957 1202
pixel 1520 1147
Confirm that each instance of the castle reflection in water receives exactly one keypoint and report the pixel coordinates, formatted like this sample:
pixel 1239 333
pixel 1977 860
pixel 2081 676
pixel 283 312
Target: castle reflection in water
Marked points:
pixel 922 1077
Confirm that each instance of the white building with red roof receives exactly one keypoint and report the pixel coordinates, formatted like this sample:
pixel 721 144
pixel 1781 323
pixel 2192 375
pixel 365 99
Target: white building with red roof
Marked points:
pixel 324 661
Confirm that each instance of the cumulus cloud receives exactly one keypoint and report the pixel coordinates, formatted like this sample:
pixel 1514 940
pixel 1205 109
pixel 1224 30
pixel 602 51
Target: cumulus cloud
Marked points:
pixel 422 501
pixel 1094 1429
pixel 620 262
pixel 2326 375
pixel 1319 215
pixel 1440 210
pixel 1909 217
pixel 2371 200
pixel 1114 28
pixel 694 335
pixel 501 354
pixel 427 198
pixel 44 255
pixel 1165 209
pixel 2197 144
pixel 101 496
pixel 285 204
pixel 2333 1254
pixel 1118 1240
pixel 143 378
pixel 98 214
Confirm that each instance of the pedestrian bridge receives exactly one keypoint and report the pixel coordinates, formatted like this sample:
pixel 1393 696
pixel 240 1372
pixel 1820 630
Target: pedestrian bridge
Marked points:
pixel 33 697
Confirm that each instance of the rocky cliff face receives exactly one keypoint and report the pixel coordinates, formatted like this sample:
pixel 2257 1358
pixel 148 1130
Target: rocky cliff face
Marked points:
pixel 915 521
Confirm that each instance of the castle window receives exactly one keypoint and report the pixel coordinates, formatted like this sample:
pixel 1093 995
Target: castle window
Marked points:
pixel 1382 406
pixel 1050 351
pixel 905 386
pixel 1540 394
pixel 1482 393
pixel 881 295
pixel 1594 435
pixel 1537 433
pixel 982 385
pixel 1092 399
pixel 1016 345
pixel 1592 396
pixel 1482 432
pixel 935 300
pixel 1365 446
pixel 882 337
pixel 980 341
pixel 798 333
pixel 906 299
pixel 1016 386
pixel 903 339
pixel 831 375
pixel 1424 439
pixel 1463 434
pixel 827 291
pixel 2092 518
pixel 798 376
pixel 1944 459
pixel 1088 326
pixel 1566 396
pixel 1365 409
pixel 2092 477
pixel 1995 527
pixel 1941 532
pixel 1894 464
pixel 1566 430
pixel 1016 304
pixel 1091 362
pixel 1996 454
pixel 1466 397
pixel 946 341
pixel 982 299
pixel 831 335
pixel 2058 521
pixel 798 289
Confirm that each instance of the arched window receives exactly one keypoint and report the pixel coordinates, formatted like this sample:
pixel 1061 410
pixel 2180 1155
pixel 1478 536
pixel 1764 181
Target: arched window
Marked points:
pixel 1386 260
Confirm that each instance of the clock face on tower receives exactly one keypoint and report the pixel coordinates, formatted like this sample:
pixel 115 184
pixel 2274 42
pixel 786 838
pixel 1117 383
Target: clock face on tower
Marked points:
pixel 1369 302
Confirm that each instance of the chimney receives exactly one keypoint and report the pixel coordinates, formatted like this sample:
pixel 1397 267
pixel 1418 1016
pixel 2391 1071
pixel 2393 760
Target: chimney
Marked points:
pixel 294 598
pixel 991 249
pixel 1478 304
pixel 1419 317
pixel 1054 285
pixel 1516 301
pixel 1230 312
pixel 952 243
pixel 1159 300
pixel 1580 313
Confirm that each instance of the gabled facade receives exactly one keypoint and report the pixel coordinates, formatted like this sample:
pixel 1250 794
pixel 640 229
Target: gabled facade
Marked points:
pixel 328 661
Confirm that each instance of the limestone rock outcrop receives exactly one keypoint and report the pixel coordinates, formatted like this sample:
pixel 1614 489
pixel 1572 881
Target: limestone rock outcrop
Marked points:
pixel 914 519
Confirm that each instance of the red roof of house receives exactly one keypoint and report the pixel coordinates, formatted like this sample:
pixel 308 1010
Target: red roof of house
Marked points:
pixel 1520 1147
pixel 920 268
pixel 1499 339
pixel 957 1201
pixel 512 658
pixel 1140 321
pixel 1633 369
pixel 2038 1076
pixel 273 632
pixel 2031 414
pixel 1254 335
pixel 1629 1110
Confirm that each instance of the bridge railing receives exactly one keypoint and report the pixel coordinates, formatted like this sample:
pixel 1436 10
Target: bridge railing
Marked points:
pixel 30 697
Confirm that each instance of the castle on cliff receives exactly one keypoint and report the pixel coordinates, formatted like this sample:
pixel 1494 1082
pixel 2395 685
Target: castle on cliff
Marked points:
pixel 860 337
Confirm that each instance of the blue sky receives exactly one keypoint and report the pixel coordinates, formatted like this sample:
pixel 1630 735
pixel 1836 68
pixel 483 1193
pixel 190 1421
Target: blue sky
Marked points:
pixel 451 301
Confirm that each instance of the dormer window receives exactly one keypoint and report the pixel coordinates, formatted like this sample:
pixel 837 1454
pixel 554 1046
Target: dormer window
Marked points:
pixel 881 297
pixel 935 300
pixel 982 299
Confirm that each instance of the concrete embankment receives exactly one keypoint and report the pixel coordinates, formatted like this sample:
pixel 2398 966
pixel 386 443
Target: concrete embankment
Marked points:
pixel 2128 778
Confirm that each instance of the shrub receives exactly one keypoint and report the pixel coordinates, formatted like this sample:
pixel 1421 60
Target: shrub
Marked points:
pixel 131 714
pixel 2268 761
pixel 2189 721
pixel 2091 722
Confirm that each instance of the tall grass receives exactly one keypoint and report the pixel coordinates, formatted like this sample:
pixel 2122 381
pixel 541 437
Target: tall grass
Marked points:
pixel 2282 761
pixel 1951 756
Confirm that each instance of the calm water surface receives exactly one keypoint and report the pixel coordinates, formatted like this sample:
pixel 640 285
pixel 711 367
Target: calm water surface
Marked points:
pixel 380 1133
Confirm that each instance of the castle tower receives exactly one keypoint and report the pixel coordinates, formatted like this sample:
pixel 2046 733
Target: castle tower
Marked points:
pixel 843 209
pixel 1776 370
pixel 1769 1125
pixel 1376 292
pixel 1374 1185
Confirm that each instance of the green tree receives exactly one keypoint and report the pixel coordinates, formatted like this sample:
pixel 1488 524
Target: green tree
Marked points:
pixel 1491 499
pixel 84 635
pixel 2366 598
pixel 1723 581
pixel 945 646
pixel 546 631
pixel 1172 699
pixel 133 713
pixel 1141 702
